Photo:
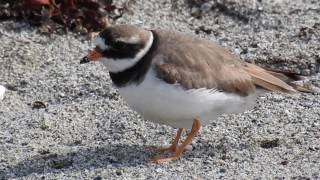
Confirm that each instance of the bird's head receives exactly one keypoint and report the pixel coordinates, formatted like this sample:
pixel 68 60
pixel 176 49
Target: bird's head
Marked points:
pixel 120 47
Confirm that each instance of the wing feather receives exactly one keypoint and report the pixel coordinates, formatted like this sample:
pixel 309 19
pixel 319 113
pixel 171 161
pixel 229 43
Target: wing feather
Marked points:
pixel 195 63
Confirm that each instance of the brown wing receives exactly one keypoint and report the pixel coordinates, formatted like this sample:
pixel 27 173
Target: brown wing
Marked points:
pixel 195 63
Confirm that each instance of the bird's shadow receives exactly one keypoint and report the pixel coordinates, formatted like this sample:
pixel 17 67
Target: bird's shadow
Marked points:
pixel 108 156
pixel 83 158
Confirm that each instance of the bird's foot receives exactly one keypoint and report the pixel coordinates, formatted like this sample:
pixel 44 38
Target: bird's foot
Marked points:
pixel 178 150
pixel 172 148
pixel 174 145
pixel 162 160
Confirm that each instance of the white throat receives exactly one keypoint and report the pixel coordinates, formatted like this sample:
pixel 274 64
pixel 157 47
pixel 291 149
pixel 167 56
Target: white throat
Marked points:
pixel 118 65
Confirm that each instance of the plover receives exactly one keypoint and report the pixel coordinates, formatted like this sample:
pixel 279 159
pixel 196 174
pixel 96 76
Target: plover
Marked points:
pixel 178 79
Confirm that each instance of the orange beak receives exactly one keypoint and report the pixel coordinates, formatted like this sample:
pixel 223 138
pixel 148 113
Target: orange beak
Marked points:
pixel 92 56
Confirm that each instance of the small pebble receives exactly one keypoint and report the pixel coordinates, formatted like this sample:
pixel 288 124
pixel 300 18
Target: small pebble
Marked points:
pixel 189 148
pixel 2 91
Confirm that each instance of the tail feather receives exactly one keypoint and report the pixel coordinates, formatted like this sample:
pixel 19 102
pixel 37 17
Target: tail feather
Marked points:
pixel 284 75
pixel 270 81
pixel 299 83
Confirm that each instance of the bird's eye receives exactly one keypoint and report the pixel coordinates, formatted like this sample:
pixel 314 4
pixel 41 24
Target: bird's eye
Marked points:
pixel 119 45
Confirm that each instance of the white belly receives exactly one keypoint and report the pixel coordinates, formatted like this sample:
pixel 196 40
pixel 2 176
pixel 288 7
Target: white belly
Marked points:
pixel 170 104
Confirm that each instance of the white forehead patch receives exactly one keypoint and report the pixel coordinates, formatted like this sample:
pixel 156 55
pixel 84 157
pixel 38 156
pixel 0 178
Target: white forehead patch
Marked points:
pixel 118 65
pixel 131 40
pixel 100 42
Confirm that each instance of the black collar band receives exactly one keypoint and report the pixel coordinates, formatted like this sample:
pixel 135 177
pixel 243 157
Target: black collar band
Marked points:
pixel 136 74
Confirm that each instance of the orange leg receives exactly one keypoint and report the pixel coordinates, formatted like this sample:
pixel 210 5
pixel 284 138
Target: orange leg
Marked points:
pixel 195 129
pixel 174 144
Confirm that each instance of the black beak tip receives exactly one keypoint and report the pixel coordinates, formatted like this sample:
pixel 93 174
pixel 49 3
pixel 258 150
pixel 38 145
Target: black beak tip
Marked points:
pixel 84 60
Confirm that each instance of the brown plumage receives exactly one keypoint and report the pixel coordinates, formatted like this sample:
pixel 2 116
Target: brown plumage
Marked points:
pixel 197 63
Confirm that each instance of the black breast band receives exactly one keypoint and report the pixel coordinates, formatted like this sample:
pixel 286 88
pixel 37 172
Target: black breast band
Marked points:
pixel 136 73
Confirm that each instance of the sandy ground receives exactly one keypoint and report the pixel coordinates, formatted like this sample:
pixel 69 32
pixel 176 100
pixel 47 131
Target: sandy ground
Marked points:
pixel 62 120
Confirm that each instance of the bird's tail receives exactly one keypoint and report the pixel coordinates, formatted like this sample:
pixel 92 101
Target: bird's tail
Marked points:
pixel 278 80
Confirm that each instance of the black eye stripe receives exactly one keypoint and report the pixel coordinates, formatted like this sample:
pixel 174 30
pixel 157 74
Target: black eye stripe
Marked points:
pixel 119 45
pixel 129 51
